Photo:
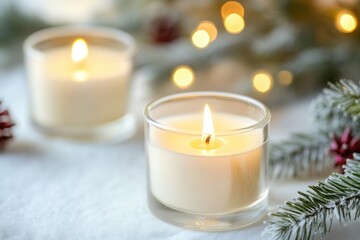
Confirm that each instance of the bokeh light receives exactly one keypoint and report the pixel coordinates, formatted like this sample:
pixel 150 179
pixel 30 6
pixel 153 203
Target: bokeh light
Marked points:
pixel 200 38
pixel 210 28
pixel 234 23
pixel 183 77
pixel 262 81
pixel 346 22
pixel 232 7
pixel 285 77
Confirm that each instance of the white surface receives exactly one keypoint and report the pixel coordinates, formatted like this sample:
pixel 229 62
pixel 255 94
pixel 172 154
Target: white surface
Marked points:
pixel 59 189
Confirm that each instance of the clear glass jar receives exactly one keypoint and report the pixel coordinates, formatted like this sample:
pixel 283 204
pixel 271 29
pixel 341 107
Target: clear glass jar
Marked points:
pixel 82 94
pixel 211 185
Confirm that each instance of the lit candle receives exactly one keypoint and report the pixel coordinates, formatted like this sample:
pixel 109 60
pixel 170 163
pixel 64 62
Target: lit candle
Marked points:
pixel 78 77
pixel 220 171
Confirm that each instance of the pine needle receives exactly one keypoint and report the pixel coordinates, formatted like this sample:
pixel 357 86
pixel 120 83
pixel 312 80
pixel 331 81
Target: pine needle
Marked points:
pixel 303 154
pixel 338 107
pixel 335 109
pixel 314 210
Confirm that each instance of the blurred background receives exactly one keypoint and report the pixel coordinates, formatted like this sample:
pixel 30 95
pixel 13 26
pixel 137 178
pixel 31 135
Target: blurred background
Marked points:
pixel 281 52
pixel 269 49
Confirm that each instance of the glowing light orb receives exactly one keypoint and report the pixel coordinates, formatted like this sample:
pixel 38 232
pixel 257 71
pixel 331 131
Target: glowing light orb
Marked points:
pixel 200 38
pixel 262 82
pixel 285 77
pixel 234 23
pixel 232 7
pixel 183 77
pixel 346 22
pixel 210 28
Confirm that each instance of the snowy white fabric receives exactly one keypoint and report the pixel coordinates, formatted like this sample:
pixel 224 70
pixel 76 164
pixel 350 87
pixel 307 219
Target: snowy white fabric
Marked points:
pixel 60 189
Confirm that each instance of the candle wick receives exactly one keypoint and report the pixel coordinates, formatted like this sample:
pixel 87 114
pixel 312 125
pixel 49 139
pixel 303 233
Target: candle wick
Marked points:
pixel 207 140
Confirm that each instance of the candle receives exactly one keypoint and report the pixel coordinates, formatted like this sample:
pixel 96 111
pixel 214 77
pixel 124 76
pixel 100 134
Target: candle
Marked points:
pixel 78 76
pixel 207 163
pixel 76 88
pixel 209 178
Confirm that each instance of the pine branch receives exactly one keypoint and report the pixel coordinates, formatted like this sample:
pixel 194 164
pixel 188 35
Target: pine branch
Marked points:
pixel 300 155
pixel 16 25
pixel 314 210
pixel 338 107
pixel 335 109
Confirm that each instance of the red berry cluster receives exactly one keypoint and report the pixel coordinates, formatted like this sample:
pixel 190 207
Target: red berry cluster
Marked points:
pixel 344 147
pixel 165 29
pixel 5 127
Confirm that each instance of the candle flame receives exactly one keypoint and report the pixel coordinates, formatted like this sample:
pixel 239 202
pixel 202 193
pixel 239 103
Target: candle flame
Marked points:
pixel 208 133
pixel 79 50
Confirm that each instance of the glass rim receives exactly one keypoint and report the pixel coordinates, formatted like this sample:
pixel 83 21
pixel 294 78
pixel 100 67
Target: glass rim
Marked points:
pixel 215 94
pixel 72 30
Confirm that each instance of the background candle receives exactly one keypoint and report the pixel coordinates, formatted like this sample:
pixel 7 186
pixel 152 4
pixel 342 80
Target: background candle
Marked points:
pixel 81 85
pixel 225 180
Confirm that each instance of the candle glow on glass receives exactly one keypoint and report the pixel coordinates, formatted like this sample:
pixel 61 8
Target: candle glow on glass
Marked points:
pixel 346 22
pixel 183 77
pixel 262 81
pixel 80 75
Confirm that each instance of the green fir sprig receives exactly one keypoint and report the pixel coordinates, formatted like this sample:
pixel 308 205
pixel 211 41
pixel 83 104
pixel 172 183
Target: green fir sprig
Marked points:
pixel 314 210
pixel 339 107
pixel 335 109
pixel 302 154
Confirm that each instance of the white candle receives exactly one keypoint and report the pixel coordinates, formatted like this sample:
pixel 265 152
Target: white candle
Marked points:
pixel 65 92
pixel 207 174
pixel 78 76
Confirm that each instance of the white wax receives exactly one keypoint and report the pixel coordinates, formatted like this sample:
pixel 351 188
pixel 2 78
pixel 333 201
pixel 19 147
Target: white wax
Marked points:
pixel 62 99
pixel 226 179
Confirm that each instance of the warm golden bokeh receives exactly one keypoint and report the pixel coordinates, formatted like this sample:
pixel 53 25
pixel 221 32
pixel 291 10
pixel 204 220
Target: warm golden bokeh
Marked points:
pixel 183 77
pixel 234 23
pixel 262 81
pixel 210 28
pixel 232 7
pixel 200 38
pixel 346 22
pixel 285 77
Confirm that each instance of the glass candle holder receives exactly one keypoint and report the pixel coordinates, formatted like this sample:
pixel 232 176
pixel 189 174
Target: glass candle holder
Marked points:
pixel 79 81
pixel 207 160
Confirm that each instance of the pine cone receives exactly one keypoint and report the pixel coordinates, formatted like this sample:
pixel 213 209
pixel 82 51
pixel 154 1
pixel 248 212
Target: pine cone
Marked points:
pixel 5 127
